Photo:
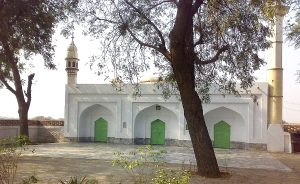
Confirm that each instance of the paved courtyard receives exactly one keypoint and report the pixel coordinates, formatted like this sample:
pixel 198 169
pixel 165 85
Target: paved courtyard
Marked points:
pixel 179 155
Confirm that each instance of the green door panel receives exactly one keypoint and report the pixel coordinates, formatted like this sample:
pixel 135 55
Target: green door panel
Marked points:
pixel 222 135
pixel 157 132
pixel 100 130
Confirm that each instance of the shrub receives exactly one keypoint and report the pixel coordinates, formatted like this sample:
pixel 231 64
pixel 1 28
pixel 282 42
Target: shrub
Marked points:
pixel 147 165
pixel 170 176
pixel 78 180
pixel 140 164
pixel 10 152
pixel 30 180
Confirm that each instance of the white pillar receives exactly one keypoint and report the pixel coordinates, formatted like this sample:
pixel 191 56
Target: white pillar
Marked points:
pixel 275 137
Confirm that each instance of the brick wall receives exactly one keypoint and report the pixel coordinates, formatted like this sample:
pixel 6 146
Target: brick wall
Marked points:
pixel 39 131
pixel 291 128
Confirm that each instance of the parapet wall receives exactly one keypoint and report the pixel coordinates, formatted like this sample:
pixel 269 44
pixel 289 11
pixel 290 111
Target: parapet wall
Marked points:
pixel 39 131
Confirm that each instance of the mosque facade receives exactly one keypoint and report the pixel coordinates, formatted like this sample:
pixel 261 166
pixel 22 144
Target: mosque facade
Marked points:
pixel 99 113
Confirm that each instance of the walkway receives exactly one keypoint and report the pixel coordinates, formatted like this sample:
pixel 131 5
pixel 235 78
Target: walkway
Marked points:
pixel 226 158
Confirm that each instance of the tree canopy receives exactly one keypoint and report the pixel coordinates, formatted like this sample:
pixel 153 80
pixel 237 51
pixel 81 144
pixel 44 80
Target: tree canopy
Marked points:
pixel 227 37
pixel 293 27
pixel 26 30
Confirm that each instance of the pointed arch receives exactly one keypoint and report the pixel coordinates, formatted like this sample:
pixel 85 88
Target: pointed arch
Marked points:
pixel 238 127
pixel 144 118
pixel 93 113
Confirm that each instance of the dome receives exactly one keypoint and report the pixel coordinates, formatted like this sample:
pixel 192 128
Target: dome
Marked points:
pixel 149 79
pixel 72 51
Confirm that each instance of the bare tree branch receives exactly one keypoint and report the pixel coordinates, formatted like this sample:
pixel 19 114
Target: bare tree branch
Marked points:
pixel 106 20
pixel 199 41
pixel 175 2
pixel 198 61
pixel 28 92
pixel 10 60
pixel 159 49
pixel 196 6
pixel 163 43
pixel 2 79
pixel 162 2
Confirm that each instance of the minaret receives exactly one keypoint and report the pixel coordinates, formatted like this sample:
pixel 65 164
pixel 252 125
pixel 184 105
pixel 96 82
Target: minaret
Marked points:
pixel 275 81
pixel 72 63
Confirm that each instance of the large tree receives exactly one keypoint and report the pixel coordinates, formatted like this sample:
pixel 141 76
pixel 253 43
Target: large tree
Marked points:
pixel 26 29
pixel 195 44
pixel 293 34
pixel 293 27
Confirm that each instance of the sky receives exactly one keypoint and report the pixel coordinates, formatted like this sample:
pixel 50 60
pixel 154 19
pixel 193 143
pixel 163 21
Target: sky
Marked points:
pixel 48 96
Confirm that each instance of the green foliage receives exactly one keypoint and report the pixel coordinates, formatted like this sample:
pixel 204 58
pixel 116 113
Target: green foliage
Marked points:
pixel 30 180
pixel 169 176
pixel 293 24
pixel 146 165
pixel 78 180
pixel 136 33
pixel 10 151
pixel 26 30
pixel 140 164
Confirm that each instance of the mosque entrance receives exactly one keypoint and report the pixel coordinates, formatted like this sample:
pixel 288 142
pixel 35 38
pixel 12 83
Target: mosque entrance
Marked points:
pixel 101 130
pixel 157 132
pixel 222 135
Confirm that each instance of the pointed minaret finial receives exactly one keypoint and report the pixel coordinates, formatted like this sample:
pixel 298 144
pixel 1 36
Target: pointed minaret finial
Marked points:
pixel 72 63
pixel 72 37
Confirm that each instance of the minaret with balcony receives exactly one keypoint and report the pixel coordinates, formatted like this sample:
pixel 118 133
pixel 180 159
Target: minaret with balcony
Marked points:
pixel 72 63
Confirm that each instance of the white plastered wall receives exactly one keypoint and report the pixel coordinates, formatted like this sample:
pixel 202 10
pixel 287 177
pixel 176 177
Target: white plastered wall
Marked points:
pixel 124 108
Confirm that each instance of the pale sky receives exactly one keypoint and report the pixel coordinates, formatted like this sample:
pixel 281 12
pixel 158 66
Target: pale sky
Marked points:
pixel 48 92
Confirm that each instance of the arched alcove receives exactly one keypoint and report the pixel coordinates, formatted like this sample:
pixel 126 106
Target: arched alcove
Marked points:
pixel 143 120
pixel 238 128
pixel 86 128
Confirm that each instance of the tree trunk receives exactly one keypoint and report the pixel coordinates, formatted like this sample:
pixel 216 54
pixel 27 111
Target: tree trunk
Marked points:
pixel 23 118
pixel 22 103
pixel 182 52
pixel 206 160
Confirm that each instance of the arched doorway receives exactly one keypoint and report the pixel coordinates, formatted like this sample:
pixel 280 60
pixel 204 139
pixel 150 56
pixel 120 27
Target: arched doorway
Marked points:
pixel 238 126
pixel 222 135
pixel 101 130
pixel 157 132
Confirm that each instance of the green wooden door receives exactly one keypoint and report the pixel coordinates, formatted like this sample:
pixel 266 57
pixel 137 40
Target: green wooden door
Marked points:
pixel 101 130
pixel 157 132
pixel 222 135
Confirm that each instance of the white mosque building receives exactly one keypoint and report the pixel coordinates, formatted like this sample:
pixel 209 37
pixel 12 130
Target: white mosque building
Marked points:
pixel 98 112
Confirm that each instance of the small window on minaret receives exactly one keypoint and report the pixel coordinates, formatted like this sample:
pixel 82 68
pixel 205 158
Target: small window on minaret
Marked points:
pixel 73 64
pixel 76 65
pixel 69 64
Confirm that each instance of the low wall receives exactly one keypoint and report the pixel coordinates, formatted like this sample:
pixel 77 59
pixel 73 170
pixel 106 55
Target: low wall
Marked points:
pixel 293 136
pixel 39 131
